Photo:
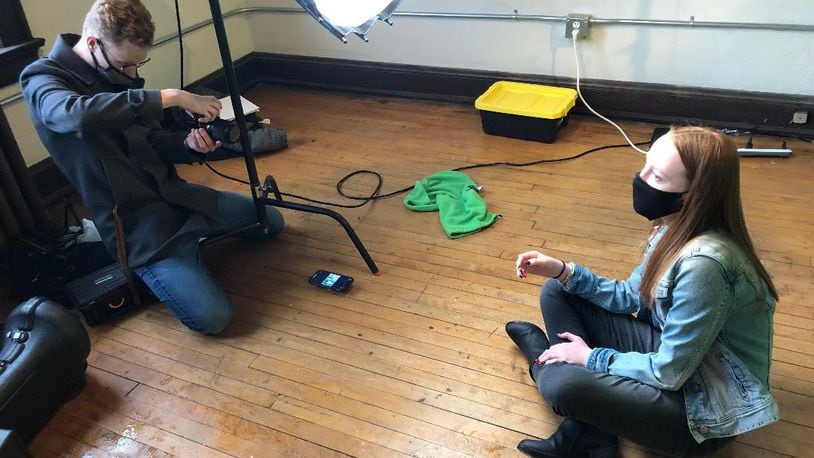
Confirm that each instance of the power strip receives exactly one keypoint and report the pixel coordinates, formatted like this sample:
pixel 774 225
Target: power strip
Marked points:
pixel 764 152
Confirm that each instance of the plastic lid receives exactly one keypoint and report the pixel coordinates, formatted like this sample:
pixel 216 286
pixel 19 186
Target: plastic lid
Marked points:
pixel 525 99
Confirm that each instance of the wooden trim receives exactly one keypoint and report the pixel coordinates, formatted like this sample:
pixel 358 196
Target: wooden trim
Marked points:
pixel 13 24
pixel 15 58
pixel 656 103
pixel 17 47
pixel 248 75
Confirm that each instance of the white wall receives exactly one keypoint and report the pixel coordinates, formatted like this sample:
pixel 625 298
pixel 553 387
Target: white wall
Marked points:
pixel 48 18
pixel 765 61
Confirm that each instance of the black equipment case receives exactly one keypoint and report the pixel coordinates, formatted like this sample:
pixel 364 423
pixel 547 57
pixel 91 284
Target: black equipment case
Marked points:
pixel 102 295
pixel 43 358
pixel 11 446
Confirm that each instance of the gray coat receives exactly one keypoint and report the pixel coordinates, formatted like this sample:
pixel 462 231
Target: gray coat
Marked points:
pixel 108 141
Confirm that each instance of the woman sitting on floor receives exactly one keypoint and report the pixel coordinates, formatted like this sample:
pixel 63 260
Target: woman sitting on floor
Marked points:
pixel 690 371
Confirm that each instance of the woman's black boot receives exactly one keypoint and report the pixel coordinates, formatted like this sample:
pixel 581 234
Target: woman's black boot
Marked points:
pixel 530 339
pixel 573 438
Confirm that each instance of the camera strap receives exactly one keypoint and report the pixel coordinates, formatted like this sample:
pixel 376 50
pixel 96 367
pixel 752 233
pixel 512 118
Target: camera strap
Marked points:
pixel 121 253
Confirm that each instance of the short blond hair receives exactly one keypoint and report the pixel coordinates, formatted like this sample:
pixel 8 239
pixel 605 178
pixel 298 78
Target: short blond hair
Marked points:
pixel 120 20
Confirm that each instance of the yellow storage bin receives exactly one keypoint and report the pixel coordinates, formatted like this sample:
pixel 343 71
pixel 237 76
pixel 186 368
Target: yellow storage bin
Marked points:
pixel 526 111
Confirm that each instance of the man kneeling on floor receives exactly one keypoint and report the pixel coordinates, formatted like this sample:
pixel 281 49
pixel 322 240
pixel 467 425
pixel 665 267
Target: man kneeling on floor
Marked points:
pixel 102 129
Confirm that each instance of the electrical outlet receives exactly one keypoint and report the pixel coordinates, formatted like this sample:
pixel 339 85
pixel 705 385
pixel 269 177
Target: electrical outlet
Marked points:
pixel 579 22
pixel 799 117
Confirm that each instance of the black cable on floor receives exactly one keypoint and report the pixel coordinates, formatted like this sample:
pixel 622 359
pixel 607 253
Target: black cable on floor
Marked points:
pixel 375 194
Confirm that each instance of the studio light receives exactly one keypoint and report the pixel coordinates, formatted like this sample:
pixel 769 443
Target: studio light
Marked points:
pixel 343 17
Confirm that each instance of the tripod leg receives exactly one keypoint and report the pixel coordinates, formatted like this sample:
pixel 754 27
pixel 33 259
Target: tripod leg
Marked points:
pixel 339 218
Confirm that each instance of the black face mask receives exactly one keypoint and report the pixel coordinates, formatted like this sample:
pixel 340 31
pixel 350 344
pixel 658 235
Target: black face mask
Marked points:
pixel 653 203
pixel 116 77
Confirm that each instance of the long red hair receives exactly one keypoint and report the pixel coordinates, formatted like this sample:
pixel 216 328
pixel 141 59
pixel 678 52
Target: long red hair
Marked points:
pixel 712 202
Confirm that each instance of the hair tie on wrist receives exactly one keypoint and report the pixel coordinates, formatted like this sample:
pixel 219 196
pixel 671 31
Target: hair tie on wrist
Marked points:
pixel 561 270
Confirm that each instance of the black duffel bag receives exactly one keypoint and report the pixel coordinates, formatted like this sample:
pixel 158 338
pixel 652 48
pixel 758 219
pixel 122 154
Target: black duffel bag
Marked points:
pixel 43 358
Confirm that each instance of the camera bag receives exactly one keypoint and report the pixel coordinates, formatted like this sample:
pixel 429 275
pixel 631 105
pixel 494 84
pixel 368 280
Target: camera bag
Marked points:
pixel 43 358
pixel 103 294
pixel 263 138
pixel 11 446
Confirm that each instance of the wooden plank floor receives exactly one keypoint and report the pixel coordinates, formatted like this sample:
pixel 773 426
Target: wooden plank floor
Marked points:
pixel 413 361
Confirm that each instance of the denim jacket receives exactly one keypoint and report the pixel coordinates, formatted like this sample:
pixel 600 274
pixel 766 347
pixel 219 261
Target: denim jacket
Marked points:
pixel 715 316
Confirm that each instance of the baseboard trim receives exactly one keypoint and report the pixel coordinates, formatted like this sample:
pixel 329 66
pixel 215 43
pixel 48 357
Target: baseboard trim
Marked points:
pixel 656 103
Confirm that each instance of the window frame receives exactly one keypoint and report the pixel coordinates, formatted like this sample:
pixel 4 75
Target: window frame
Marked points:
pixel 17 47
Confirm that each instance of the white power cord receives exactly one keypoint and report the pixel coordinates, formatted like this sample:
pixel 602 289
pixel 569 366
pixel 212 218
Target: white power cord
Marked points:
pixel 585 102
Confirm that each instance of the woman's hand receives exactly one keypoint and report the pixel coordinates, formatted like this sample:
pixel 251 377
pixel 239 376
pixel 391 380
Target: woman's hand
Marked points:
pixel 539 264
pixel 575 351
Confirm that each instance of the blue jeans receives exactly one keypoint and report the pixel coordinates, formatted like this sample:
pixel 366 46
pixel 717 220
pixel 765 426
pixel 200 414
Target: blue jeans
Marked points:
pixel 183 283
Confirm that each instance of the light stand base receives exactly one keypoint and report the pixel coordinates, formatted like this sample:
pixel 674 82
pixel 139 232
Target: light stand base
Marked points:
pixel 271 186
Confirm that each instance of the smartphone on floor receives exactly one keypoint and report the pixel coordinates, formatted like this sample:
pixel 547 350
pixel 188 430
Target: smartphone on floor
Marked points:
pixel 331 280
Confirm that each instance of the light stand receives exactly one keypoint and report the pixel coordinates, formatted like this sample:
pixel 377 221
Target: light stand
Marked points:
pixel 269 185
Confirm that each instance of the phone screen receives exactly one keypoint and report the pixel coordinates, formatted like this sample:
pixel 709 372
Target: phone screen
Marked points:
pixel 330 279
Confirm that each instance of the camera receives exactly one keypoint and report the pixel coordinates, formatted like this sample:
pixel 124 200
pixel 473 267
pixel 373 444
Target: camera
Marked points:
pixel 220 130
pixel 262 137
pixel 226 132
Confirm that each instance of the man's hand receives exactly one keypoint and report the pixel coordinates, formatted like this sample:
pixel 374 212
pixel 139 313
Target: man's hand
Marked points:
pixel 206 106
pixel 575 351
pixel 200 141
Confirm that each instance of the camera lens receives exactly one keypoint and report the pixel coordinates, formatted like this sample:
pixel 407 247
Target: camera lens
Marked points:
pixel 223 131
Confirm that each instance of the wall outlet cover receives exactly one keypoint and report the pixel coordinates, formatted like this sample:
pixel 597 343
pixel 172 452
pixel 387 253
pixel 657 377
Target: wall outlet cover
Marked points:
pixel 799 117
pixel 579 22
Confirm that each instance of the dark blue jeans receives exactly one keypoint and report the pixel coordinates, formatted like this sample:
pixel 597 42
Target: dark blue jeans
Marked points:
pixel 644 414
pixel 183 283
